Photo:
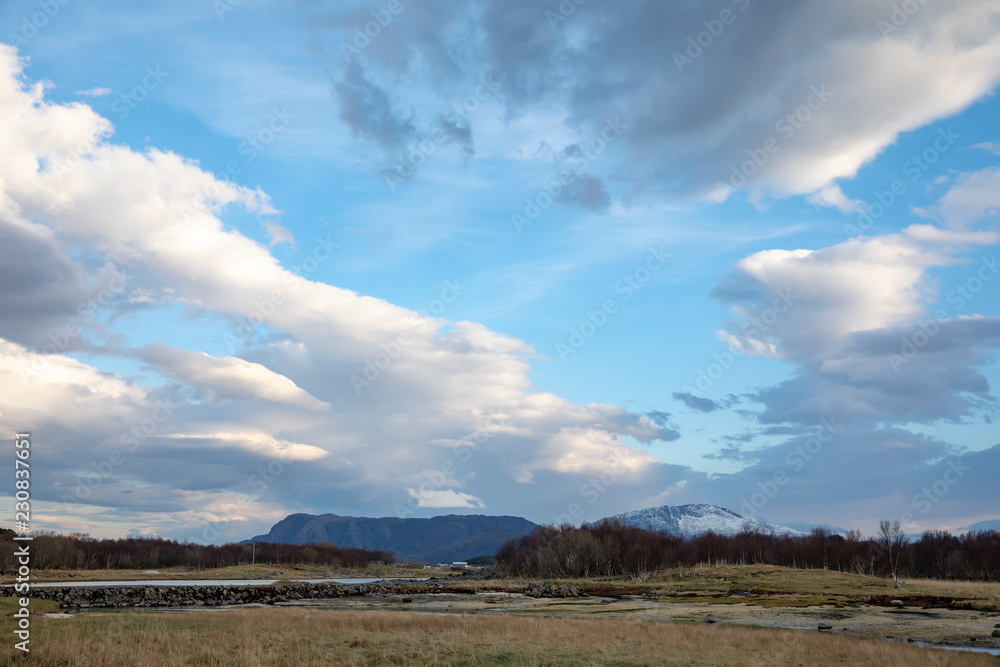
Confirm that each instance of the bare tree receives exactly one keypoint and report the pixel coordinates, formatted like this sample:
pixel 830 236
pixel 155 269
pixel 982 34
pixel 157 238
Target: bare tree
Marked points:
pixel 892 539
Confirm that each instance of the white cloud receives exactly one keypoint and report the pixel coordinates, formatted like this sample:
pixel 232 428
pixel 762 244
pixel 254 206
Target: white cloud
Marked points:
pixel 834 197
pixel 444 498
pixel 860 285
pixel 974 196
pixel 158 216
pixel 990 146
pixel 95 92
pixel 256 442
pixel 37 389
pixel 229 376
pixel 276 233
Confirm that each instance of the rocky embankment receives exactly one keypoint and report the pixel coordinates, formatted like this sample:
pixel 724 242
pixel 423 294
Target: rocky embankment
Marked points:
pixel 185 595
pixel 96 597
pixel 550 590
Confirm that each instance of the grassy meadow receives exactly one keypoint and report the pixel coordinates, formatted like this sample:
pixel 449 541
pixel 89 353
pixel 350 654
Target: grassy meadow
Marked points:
pixel 291 636
pixel 576 632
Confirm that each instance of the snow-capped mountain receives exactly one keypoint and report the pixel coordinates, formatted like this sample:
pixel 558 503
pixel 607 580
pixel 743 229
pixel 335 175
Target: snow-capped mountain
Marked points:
pixel 690 520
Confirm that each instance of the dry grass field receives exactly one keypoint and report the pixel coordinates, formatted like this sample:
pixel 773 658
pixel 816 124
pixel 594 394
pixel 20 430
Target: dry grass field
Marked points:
pixel 639 622
pixel 290 636
pixel 772 585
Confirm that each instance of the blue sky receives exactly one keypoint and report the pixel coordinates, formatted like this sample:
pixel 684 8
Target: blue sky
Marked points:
pixel 244 144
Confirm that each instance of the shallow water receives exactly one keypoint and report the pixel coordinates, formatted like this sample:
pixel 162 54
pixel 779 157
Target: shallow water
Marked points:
pixel 970 649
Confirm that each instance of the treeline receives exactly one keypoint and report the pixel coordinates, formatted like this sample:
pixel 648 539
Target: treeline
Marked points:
pixel 82 552
pixel 612 549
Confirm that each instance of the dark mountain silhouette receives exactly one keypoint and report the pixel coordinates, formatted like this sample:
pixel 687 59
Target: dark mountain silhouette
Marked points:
pixel 438 539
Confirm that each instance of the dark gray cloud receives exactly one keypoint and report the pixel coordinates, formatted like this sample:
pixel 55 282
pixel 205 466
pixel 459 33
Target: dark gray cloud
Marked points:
pixel 370 112
pixel 40 290
pixel 585 191
pixel 694 111
pixel 696 402
pixel 895 375
pixel 461 135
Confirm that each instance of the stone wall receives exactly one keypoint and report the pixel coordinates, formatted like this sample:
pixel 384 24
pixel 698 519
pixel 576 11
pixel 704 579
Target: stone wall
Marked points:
pixel 96 597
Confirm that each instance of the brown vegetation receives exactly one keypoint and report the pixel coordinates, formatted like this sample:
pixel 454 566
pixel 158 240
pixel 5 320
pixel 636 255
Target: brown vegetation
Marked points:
pixel 288 636
pixel 611 549
pixel 82 552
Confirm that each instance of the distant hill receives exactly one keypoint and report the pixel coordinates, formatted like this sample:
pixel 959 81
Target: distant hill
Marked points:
pixel 690 520
pixel 438 539
pixel 989 524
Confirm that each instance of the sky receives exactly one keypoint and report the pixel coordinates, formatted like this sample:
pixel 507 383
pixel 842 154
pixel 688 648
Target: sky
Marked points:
pixel 557 260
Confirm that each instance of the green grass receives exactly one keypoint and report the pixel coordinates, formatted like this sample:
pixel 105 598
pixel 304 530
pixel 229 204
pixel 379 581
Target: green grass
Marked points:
pixel 10 605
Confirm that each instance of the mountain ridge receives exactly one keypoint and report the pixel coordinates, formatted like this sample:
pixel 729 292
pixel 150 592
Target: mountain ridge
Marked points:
pixel 694 519
pixel 444 538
